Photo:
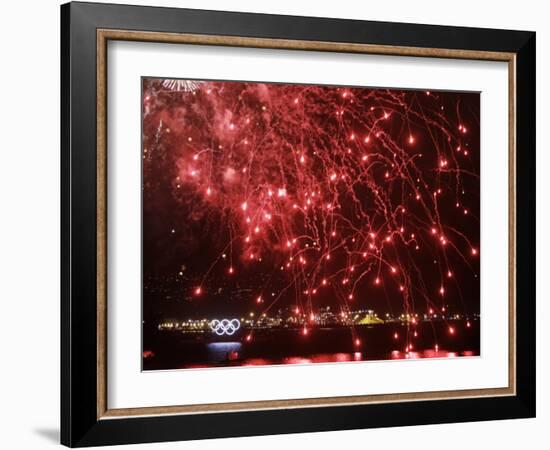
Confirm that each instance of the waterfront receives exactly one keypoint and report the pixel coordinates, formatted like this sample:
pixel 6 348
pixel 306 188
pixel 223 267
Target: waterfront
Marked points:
pixel 176 350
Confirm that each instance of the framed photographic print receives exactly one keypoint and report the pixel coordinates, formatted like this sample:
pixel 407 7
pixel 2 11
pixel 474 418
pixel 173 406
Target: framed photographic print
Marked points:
pixel 276 224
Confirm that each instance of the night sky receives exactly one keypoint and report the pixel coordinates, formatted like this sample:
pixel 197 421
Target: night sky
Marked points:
pixel 258 197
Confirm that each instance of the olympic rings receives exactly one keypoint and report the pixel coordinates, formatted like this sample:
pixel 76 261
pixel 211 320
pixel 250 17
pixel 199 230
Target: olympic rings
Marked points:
pixel 225 326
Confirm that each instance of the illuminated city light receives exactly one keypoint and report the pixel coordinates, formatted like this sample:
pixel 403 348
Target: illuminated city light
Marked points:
pixel 225 326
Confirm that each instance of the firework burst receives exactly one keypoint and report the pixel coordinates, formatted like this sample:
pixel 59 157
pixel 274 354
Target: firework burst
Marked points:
pixel 325 194
pixel 181 85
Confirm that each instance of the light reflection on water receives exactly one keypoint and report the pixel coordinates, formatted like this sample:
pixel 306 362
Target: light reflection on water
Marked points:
pixel 227 353
pixel 347 357
pixel 430 353
pixel 224 351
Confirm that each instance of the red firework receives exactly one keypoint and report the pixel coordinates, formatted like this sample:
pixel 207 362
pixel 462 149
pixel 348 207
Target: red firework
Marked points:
pixel 327 191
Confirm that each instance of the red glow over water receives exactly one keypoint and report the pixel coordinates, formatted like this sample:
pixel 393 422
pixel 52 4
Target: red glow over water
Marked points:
pixel 344 357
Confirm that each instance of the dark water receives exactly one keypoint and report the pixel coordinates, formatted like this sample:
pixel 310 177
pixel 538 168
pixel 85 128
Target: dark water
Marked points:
pixel 176 350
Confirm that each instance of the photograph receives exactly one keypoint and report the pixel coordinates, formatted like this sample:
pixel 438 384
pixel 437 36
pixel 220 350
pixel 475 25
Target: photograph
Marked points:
pixel 299 225
pixel 302 223
pixel 275 225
